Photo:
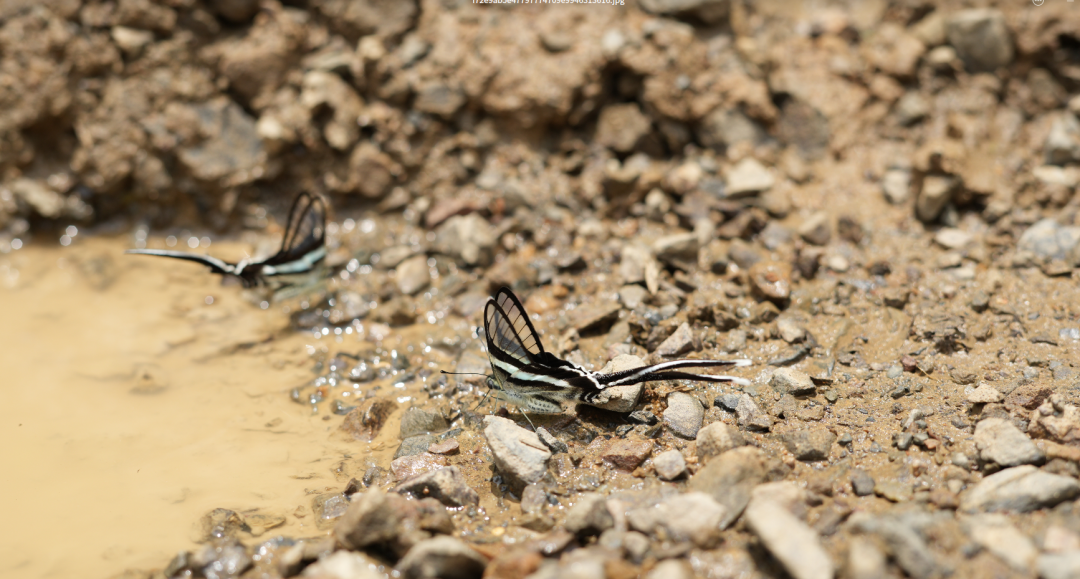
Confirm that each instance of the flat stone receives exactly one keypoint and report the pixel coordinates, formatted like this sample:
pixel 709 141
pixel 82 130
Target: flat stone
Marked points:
pixel 903 542
pixel 896 185
pixel 694 517
pixel 729 479
pixel 413 275
pixel 519 454
pixel 1059 565
pixel 597 317
pixel 342 565
pixel 999 441
pixel 620 398
pixel 678 249
pixel 794 544
pixel 996 534
pixel 448 446
pixel 414 445
pixel 862 483
pixel 632 296
pixel 442 558
pixel 810 444
pixel 792 381
pixel 790 329
pixel 626 454
pixel 446 485
pixel 589 515
pixel 816 229
pixel 770 280
pixel 419 421
pixel 468 238
pixel 894 490
pixel 1048 239
pixel 390 521
pixel 716 439
pixel 953 238
pixel 678 343
pixel 1020 489
pixel 555 445
pixel 407 467
pixel 683 415
pixel 984 394
pixel 669 464
pixel 936 193
pixel 365 421
pixel 748 177
pixel 620 126
pixel 751 416
pixel 981 38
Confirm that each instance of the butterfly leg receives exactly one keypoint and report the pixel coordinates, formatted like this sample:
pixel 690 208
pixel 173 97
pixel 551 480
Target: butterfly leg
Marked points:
pixel 527 418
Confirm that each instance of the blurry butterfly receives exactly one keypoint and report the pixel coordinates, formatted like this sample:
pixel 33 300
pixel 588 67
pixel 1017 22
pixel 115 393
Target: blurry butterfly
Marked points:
pixel 535 380
pixel 298 264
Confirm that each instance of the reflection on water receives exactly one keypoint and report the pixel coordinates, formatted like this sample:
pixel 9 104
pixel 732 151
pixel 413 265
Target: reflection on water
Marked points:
pixel 139 394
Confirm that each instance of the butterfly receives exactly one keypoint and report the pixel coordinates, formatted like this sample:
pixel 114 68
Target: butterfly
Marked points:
pixel 299 260
pixel 536 380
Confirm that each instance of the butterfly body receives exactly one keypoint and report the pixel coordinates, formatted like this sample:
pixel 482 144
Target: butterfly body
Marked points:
pixel 536 380
pixel 297 264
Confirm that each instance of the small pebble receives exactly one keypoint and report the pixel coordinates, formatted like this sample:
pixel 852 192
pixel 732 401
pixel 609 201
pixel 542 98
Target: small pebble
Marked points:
pixel 669 465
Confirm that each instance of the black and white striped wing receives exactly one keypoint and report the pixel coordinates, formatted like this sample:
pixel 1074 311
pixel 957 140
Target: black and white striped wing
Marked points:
pixel 216 265
pixel 304 244
pixel 511 340
pixel 668 371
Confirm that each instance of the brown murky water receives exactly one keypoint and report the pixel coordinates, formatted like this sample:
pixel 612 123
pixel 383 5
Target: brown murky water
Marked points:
pixel 132 407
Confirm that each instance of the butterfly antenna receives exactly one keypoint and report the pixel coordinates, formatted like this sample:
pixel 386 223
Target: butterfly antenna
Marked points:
pixel 482 401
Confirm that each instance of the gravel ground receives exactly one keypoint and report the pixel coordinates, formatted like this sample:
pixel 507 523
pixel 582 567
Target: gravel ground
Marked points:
pixel 873 203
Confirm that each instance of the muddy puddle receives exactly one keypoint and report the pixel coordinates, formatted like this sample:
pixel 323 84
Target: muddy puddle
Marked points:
pixel 139 395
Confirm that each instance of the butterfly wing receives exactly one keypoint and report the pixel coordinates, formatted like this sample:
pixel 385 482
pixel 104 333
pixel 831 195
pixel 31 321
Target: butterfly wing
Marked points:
pixel 519 322
pixel 506 349
pixel 304 243
pixel 216 265
pixel 664 371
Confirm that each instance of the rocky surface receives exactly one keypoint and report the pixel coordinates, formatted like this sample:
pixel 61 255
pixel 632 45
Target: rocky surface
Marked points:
pixel 876 207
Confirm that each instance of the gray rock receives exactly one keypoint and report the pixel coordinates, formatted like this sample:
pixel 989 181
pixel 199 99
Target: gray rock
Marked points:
pixel 751 416
pixel 1020 489
pixel 981 38
pixel 439 98
pixel 419 421
pixel 415 445
pixel 862 483
pixel 683 414
pixel 413 275
pixel 810 444
pixel 390 521
pixel 816 228
pixel 996 534
pixel 589 515
pixel 669 464
pixel 792 381
pixel 670 569
pixel 442 558
pixel 1048 239
pixel 533 499
pixel 716 439
pixel 342 565
pixel 999 441
pixel 708 11
pixel 554 444
pixel 936 193
pixel 678 343
pixel 232 152
pixel 904 543
pixel 910 109
pixel 679 250
pixel 445 485
pixel 729 479
pixel 725 127
pixel 1059 565
pixel 694 516
pixel 1062 145
pixel 896 185
pixel 467 238
pixel 621 126
pixel 791 331
pixel 802 125
pixel 791 541
pixel 747 178
pixel 632 296
pixel 728 402
pixel 865 559
pixel 519 454
pixel 620 398
pixel 594 318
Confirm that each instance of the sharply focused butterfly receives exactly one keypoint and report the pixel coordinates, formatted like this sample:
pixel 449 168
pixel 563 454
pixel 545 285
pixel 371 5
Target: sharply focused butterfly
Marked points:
pixel 299 260
pixel 535 380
